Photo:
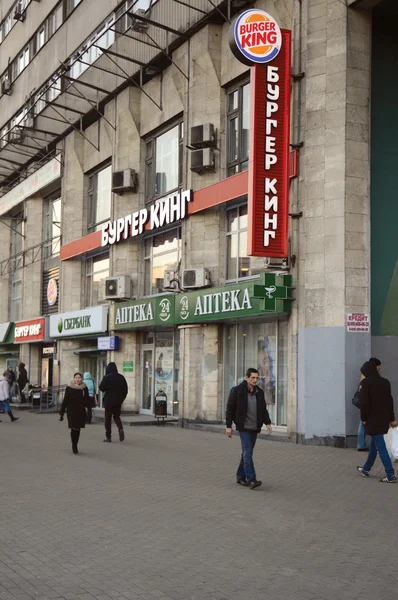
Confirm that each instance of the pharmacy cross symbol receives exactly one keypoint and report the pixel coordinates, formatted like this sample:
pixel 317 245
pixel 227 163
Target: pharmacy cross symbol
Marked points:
pixel 270 291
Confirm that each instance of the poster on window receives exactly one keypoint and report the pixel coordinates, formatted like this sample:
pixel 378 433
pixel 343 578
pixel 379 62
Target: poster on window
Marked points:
pixel 164 374
pixel 266 365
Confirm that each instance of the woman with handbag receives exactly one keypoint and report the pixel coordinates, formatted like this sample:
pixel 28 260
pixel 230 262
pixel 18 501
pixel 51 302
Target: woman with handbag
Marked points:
pixel 75 405
pixel 5 396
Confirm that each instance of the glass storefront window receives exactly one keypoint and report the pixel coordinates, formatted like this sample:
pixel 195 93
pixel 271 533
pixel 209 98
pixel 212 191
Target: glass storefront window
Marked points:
pixel 264 347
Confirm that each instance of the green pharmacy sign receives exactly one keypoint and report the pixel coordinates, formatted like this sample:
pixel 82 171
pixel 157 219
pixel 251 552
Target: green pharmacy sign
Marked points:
pixel 146 312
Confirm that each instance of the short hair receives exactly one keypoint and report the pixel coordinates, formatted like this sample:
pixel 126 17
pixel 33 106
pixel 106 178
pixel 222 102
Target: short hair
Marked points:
pixel 375 361
pixel 77 373
pixel 250 371
pixel 5 374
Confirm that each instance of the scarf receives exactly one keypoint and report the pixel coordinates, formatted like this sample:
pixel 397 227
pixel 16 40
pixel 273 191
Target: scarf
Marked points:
pixel 74 385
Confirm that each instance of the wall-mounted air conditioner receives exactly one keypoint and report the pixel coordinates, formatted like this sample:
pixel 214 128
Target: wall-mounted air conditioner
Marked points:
pixel 276 263
pixel 203 136
pixel 123 181
pixel 19 12
pixel 203 160
pixel 170 280
pixel 138 24
pixel 195 278
pixel 118 288
pixel 6 86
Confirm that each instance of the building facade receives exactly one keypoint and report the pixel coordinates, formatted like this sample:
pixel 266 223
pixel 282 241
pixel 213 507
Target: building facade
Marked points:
pixel 125 136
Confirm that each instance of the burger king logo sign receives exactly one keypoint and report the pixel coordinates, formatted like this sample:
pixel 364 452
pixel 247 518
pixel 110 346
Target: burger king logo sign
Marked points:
pixel 255 37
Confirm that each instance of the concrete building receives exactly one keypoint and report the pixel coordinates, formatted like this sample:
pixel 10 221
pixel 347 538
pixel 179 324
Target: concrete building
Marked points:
pixel 124 156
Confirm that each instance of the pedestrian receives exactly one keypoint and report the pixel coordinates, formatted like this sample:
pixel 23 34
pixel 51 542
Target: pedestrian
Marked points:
pixel 75 403
pixel 22 379
pixel 247 408
pixel 361 439
pixel 115 387
pixel 377 414
pixel 88 380
pixel 11 378
pixel 5 396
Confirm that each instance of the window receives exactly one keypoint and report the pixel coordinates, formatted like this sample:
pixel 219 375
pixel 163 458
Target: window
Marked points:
pixel 97 268
pixel 41 38
pixel 99 198
pixel 163 164
pixel 161 252
pixel 238 104
pixel 52 226
pixel 16 298
pixel 239 265
pixel 23 60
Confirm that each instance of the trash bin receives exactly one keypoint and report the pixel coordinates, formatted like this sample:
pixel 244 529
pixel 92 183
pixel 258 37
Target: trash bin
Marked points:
pixel 161 404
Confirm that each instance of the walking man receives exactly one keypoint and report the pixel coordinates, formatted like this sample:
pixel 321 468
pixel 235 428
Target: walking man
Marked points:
pixel 246 407
pixel 115 387
pixel 377 414
pixel 361 440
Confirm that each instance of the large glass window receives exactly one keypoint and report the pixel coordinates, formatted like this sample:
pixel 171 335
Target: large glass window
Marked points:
pixel 264 347
pixel 239 265
pixel 162 252
pixel 99 198
pixel 163 165
pixel 52 226
pixel 16 298
pixel 97 269
pixel 238 105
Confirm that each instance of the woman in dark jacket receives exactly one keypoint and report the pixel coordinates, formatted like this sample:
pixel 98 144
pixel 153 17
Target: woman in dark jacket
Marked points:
pixel 75 404
pixel 22 379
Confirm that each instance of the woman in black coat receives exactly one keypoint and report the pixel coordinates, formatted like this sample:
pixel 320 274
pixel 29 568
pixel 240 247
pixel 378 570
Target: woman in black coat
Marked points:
pixel 22 379
pixel 75 404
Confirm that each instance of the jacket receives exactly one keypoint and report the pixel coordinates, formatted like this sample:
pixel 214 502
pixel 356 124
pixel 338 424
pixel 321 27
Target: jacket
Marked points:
pixel 75 403
pixel 237 407
pixel 22 376
pixel 114 385
pixel 377 405
pixel 88 380
pixel 4 389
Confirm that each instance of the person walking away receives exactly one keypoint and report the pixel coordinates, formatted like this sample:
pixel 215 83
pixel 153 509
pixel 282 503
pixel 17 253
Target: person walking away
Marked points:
pixel 88 380
pixel 377 414
pixel 12 379
pixel 75 403
pixel 114 385
pixel 22 380
pixel 361 439
pixel 247 408
pixel 5 395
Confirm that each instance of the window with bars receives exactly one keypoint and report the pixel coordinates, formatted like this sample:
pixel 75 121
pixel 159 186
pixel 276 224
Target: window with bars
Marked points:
pixel 162 252
pixel 164 162
pixel 239 265
pixel 238 112
pixel 97 269
pixel 99 198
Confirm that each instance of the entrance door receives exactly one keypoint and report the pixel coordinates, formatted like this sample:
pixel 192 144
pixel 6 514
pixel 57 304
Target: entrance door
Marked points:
pixel 146 405
pixel 96 365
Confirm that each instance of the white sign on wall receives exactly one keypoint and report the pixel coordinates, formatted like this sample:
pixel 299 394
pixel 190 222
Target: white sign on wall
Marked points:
pixel 32 184
pixel 80 322
pixel 358 322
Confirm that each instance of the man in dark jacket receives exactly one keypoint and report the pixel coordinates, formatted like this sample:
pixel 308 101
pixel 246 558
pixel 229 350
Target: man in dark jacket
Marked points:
pixel 115 387
pixel 377 414
pixel 246 407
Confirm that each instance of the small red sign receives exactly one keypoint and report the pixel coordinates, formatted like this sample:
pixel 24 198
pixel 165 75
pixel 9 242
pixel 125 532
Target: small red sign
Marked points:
pixel 269 156
pixel 30 331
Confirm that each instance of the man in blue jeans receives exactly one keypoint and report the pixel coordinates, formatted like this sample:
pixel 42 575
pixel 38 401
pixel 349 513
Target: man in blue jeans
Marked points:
pixel 246 407
pixel 377 414
pixel 361 440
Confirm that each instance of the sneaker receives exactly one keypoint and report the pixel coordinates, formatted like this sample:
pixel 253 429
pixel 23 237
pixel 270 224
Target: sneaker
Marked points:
pixel 362 449
pixel 107 440
pixel 121 435
pixel 362 472
pixel 386 480
pixel 254 483
pixel 242 482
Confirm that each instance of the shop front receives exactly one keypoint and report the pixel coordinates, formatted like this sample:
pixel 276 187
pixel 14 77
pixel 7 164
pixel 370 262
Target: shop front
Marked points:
pixel 33 336
pixel 77 336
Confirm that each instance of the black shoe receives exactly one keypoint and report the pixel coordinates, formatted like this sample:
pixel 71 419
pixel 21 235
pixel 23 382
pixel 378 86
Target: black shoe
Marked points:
pixel 14 419
pixel 362 449
pixel 107 440
pixel 74 449
pixel 254 483
pixel 386 480
pixel 242 482
pixel 362 472
pixel 121 435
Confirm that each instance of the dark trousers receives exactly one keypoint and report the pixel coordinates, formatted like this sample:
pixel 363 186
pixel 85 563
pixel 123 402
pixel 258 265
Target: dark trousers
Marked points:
pixel 112 411
pixel 89 415
pixel 74 436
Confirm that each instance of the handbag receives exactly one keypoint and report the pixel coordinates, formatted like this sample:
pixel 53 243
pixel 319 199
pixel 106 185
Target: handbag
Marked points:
pixel 356 399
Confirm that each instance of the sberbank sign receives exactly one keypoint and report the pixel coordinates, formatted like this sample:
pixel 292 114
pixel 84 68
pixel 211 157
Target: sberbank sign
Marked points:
pixel 82 322
pixel 271 293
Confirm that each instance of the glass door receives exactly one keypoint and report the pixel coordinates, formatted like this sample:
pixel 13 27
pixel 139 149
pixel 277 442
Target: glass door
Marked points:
pixel 146 405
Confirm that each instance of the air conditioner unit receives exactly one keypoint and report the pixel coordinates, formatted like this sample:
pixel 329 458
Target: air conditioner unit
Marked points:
pixel 276 263
pixel 160 183
pixel 118 288
pixel 137 24
pixel 16 135
pixel 203 136
pixel 203 160
pixel 6 86
pixel 195 278
pixel 123 181
pixel 19 12
pixel 170 280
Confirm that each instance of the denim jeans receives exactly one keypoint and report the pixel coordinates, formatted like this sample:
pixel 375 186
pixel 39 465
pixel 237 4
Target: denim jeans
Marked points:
pixel 246 466
pixel 361 441
pixel 378 445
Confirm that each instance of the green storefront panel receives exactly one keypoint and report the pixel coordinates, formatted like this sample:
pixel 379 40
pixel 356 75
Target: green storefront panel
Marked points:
pixel 147 312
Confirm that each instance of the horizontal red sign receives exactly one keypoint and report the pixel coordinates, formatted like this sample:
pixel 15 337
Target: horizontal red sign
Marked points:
pixel 269 156
pixel 30 331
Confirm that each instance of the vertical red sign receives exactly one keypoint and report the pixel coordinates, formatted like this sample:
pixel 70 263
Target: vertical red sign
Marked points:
pixel 268 197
